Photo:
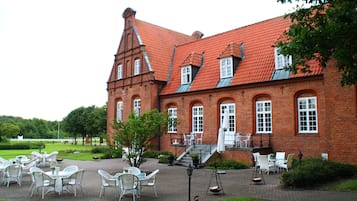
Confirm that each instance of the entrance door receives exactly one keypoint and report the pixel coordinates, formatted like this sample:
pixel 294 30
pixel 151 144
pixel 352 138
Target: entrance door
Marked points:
pixel 230 132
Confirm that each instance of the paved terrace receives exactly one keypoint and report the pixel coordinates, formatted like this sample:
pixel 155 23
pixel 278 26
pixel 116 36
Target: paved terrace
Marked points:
pixel 172 185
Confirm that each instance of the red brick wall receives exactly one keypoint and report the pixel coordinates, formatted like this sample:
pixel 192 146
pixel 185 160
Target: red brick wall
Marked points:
pixel 336 116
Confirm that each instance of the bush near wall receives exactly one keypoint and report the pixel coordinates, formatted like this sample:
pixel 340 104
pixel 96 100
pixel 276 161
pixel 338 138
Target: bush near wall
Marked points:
pixel 27 145
pixel 314 172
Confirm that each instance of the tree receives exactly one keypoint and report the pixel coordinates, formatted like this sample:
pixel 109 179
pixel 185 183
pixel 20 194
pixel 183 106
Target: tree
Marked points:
pixel 137 133
pixel 85 120
pixel 9 130
pixel 325 29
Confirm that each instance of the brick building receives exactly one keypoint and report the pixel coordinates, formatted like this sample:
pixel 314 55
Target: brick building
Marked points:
pixel 196 79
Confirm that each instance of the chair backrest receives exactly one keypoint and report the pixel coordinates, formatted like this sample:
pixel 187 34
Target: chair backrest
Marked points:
pixel 13 170
pixel 255 156
pixel 263 161
pixel 247 136
pixel 71 168
pixel 290 160
pixel 106 177
pixel 41 178
pixel 128 181
pixel 280 156
pixel 151 177
pixel 134 170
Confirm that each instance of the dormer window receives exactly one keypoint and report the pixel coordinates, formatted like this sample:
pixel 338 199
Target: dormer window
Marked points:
pixel 281 61
pixel 136 67
pixel 120 71
pixel 226 67
pixel 186 75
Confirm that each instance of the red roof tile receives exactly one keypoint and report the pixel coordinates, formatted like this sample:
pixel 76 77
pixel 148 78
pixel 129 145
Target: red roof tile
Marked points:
pixel 258 63
pixel 192 59
pixel 159 44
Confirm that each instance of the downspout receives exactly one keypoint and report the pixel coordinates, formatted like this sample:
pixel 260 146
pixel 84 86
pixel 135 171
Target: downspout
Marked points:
pixel 162 87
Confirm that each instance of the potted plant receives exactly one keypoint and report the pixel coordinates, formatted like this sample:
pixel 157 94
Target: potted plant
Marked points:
pixel 171 159
pixel 195 160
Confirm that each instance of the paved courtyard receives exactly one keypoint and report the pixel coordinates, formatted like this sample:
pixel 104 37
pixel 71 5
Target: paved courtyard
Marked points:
pixel 172 185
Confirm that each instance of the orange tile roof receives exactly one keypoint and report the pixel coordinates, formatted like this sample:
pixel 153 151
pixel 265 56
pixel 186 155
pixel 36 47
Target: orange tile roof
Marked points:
pixel 192 59
pixel 258 63
pixel 159 44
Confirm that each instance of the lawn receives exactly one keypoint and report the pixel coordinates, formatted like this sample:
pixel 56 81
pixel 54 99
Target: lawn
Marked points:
pixel 67 151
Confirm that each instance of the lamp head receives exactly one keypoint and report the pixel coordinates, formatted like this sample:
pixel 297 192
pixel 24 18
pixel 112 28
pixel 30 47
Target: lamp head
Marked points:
pixel 189 170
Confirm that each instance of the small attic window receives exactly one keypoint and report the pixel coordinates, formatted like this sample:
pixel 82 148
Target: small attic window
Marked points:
pixel 186 74
pixel 226 67
pixel 281 61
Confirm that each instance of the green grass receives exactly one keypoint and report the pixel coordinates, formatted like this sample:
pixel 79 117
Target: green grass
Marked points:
pixel 243 199
pixel 349 185
pixel 66 151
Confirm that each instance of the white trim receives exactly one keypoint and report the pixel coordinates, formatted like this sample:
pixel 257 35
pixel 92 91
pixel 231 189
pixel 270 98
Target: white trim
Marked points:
pixel 197 119
pixel 119 116
pixel 172 114
pixel 137 67
pixel 226 67
pixel 186 74
pixel 263 112
pixel 281 61
pixel 120 72
pixel 307 115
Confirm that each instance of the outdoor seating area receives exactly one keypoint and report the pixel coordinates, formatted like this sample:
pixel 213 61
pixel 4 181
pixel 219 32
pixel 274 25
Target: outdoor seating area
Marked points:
pixel 46 175
pixel 272 163
pixel 130 181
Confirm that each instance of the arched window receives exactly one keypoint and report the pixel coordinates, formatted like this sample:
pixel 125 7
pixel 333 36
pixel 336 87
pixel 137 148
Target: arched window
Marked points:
pixel 197 118
pixel 119 111
pixel 172 115
pixel 307 121
pixel 263 114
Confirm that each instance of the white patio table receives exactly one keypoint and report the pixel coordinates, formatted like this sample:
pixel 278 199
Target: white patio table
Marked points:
pixel 58 175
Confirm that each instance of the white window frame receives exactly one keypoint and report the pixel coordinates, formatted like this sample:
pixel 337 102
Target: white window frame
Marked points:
pixel 231 115
pixel 307 115
pixel 119 111
pixel 172 115
pixel 281 61
pixel 264 118
pixel 226 67
pixel 137 106
pixel 197 119
pixel 136 67
pixel 120 71
pixel 186 74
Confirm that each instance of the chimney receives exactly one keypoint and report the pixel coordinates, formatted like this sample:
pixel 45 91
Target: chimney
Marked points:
pixel 197 35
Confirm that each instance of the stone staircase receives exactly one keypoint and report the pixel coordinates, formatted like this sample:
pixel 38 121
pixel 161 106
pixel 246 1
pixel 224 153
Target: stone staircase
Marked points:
pixel 205 151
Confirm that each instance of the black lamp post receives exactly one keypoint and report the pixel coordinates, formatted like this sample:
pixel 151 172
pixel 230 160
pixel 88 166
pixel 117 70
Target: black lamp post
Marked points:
pixel 300 156
pixel 189 174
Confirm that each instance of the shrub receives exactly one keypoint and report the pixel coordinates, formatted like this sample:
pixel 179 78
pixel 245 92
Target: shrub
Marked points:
pixel 99 149
pixel 314 172
pixel 155 154
pixel 24 145
pixel 227 164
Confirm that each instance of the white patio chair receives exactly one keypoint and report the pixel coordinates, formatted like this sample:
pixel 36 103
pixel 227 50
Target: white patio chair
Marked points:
pixel 246 141
pixel 51 157
pixel 70 169
pixel 26 167
pixel 199 138
pixel 256 162
pixel 265 165
pixel 13 173
pixel 74 181
pixel 31 170
pixel 150 181
pixel 288 163
pixel 42 182
pixel 128 185
pixel 279 158
pixel 133 170
pixel 107 181
pixel 238 140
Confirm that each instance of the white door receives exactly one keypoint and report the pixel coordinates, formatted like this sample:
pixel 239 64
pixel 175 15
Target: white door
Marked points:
pixel 231 130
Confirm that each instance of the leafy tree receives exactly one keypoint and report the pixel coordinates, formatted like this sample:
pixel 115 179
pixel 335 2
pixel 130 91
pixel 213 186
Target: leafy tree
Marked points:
pixel 138 131
pixel 85 121
pixel 323 30
pixel 9 130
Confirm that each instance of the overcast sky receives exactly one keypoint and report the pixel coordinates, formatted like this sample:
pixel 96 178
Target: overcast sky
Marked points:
pixel 56 55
